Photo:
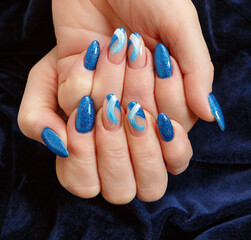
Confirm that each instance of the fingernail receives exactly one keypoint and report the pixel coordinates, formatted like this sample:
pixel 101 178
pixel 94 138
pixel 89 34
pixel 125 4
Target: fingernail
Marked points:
pixel 162 61
pixel 117 50
pixel 85 115
pixel 54 143
pixel 165 127
pixel 136 118
pixel 216 111
pixel 92 55
pixel 111 112
pixel 136 51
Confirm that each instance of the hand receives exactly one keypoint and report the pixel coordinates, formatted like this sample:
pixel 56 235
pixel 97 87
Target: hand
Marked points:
pixel 129 158
pixel 175 23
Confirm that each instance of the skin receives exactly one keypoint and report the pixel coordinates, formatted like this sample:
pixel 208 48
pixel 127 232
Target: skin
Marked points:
pixel 191 81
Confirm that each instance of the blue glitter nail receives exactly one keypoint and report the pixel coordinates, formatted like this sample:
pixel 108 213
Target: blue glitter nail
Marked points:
pixel 119 35
pixel 92 55
pixel 85 115
pixel 112 103
pixel 216 111
pixel 135 110
pixel 134 40
pixel 162 61
pixel 165 127
pixel 54 143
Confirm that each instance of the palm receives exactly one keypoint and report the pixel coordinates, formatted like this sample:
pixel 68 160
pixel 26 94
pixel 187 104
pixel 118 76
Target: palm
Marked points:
pixel 79 22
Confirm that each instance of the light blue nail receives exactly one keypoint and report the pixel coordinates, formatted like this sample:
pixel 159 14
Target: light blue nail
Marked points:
pixel 112 103
pixel 119 35
pixel 85 115
pixel 165 127
pixel 135 110
pixel 134 40
pixel 54 143
pixel 162 61
pixel 216 111
pixel 92 55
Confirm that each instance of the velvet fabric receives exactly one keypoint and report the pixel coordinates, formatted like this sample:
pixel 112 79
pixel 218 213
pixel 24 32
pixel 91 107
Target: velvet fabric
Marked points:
pixel 211 200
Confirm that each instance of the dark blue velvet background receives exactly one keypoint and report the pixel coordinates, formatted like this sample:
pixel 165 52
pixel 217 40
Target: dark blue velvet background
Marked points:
pixel 211 200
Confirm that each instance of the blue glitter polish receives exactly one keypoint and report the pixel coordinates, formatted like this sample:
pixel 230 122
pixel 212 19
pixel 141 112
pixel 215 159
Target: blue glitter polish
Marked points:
pixel 216 111
pixel 119 35
pixel 54 143
pixel 135 110
pixel 134 40
pixel 162 61
pixel 92 56
pixel 165 127
pixel 85 115
pixel 112 103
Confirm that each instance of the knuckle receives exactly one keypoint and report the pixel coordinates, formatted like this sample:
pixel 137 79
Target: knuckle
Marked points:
pixel 121 197
pixel 151 194
pixel 178 160
pixel 26 121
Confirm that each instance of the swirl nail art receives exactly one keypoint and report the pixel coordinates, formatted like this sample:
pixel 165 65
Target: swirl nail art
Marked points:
pixel 111 105
pixel 118 40
pixel 134 40
pixel 136 111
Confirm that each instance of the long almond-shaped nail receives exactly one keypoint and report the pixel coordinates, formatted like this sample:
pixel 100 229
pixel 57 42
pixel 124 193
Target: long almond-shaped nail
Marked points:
pixel 111 112
pixel 165 127
pixel 117 47
pixel 92 55
pixel 136 51
pixel 216 111
pixel 85 115
pixel 136 118
pixel 54 142
pixel 162 61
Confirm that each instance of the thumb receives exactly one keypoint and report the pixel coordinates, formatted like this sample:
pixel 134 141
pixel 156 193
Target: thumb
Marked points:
pixel 189 48
pixel 37 117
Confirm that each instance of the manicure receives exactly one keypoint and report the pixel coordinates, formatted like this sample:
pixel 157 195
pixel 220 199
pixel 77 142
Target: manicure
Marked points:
pixel 136 51
pixel 54 143
pixel 117 47
pixel 111 112
pixel 165 127
pixel 85 115
pixel 162 61
pixel 92 56
pixel 216 111
pixel 136 118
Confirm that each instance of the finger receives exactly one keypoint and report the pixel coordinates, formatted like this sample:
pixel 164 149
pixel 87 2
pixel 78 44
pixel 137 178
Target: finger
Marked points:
pixel 139 78
pixel 114 163
pixel 76 82
pixel 169 89
pixel 37 116
pixel 176 147
pixel 109 77
pixel 188 47
pixel 78 173
pixel 148 163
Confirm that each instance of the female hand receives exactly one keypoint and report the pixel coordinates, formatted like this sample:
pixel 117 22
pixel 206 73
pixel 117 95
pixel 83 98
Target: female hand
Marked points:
pixel 128 151
pixel 175 23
